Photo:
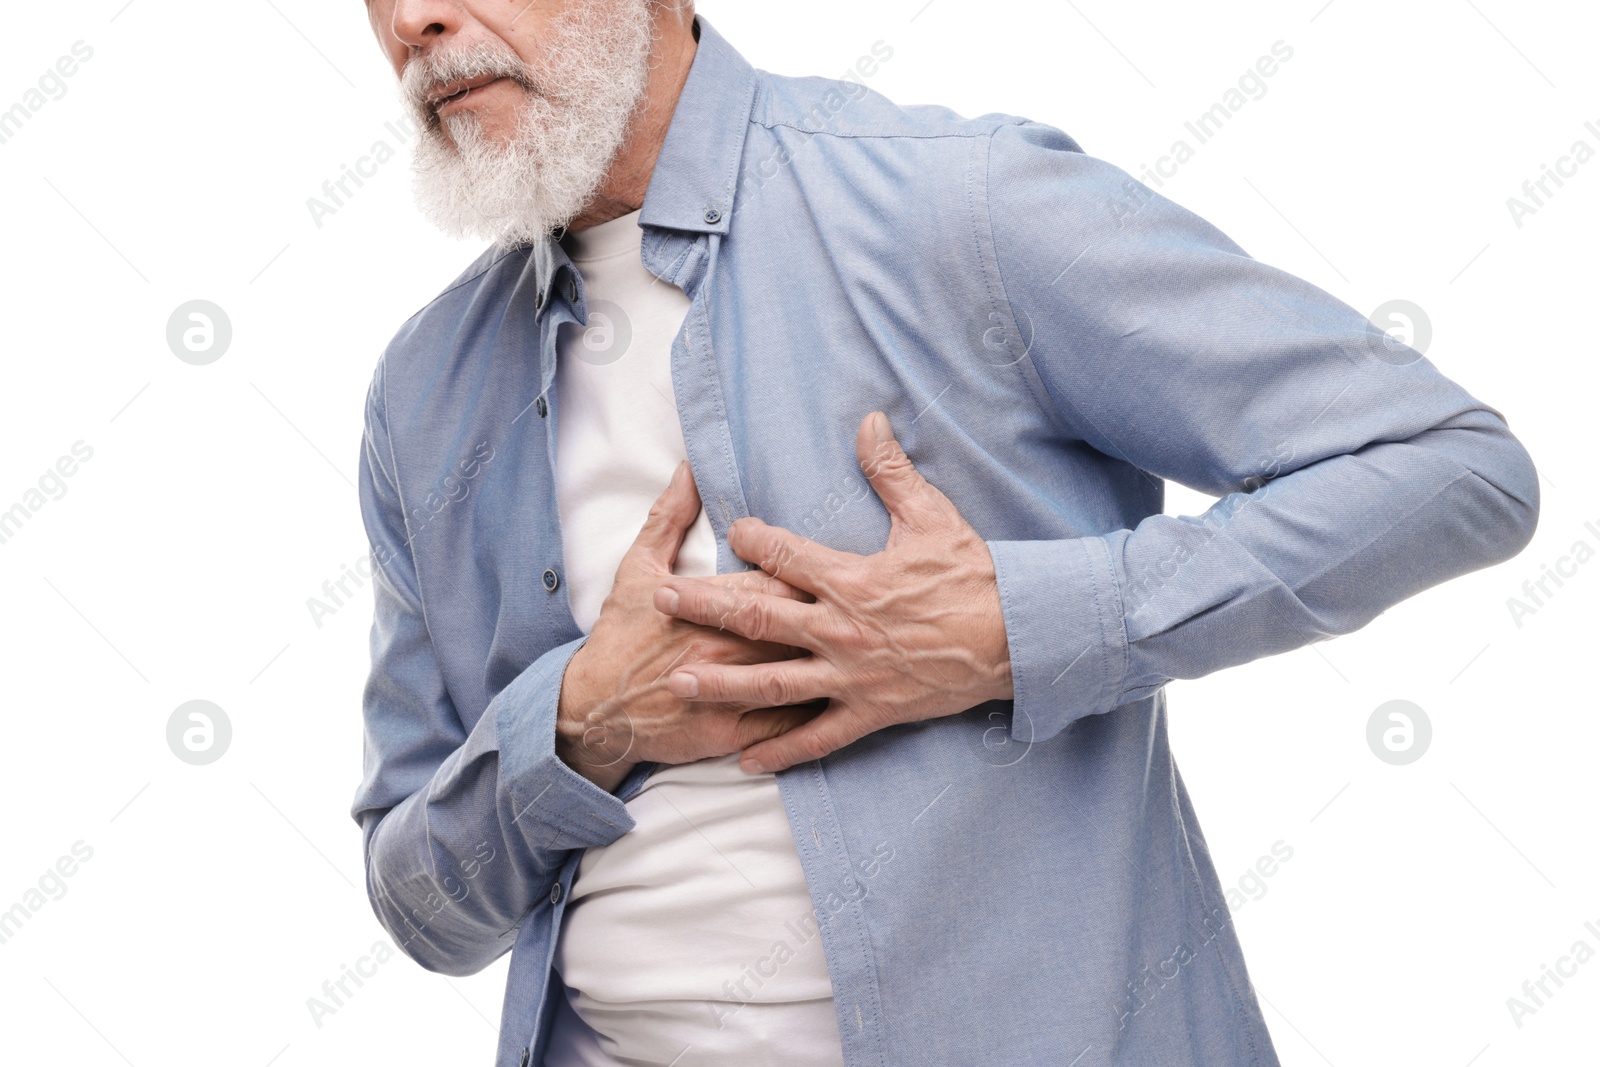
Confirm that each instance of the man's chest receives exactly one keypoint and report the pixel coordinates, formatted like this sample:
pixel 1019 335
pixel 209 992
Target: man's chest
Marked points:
pixel 769 393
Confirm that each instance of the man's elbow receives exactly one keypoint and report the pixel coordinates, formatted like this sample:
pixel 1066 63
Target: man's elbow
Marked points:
pixel 1505 510
pixel 416 917
pixel 439 960
pixel 429 947
pixel 1519 492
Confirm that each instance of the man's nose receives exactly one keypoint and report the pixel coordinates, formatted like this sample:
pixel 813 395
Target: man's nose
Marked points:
pixel 416 22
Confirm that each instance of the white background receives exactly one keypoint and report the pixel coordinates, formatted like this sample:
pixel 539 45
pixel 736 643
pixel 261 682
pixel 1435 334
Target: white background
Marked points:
pixel 219 498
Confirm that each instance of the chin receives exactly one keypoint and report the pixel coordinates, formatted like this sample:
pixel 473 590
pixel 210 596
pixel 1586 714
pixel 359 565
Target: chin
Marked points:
pixel 493 128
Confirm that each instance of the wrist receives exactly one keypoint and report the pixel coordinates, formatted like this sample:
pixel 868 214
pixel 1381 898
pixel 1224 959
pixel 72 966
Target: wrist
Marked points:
pixel 584 737
pixel 994 646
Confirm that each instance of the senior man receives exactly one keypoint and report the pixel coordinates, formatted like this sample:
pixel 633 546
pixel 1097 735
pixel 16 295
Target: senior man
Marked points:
pixel 802 760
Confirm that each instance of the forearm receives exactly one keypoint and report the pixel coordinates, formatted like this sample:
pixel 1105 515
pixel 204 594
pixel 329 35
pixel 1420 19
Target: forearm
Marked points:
pixel 463 829
pixel 457 864
pixel 1097 622
pixel 1322 551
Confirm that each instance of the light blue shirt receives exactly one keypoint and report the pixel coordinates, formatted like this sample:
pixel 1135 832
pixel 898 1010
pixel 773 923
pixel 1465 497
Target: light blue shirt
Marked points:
pixel 1023 883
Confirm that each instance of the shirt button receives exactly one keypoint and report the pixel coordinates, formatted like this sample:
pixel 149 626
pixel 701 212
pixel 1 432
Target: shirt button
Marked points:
pixel 713 216
pixel 523 1062
pixel 572 289
pixel 555 890
pixel 551 580
pixel 541 407
pixel 538 299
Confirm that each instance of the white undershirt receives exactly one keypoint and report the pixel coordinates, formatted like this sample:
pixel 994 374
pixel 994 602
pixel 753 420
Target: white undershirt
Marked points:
pixel 690 940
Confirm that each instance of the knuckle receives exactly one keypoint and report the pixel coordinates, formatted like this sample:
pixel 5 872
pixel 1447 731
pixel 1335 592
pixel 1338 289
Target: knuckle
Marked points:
pixel 738 583
pixel 777 557
pixel 848 584
pixel 762 728
pixel 658 513
pixel 816 745
pixel 775 689
pixel 849 632
pixel 887 457
pixel 753 616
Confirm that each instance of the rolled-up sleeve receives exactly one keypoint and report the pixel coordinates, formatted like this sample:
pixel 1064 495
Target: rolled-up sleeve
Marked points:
pixel 463 831
pixel 1351 474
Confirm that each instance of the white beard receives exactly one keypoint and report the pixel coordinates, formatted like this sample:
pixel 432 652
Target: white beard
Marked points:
pixel 578 108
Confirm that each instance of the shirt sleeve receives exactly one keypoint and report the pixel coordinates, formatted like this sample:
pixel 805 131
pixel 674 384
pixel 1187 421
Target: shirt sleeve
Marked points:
pixel 1351 474
pixel 464 832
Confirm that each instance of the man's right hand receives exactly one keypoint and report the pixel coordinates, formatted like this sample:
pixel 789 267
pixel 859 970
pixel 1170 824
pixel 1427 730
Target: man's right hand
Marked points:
pixel 615 710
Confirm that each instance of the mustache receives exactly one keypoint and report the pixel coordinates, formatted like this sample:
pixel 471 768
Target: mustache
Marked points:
pixel 425 77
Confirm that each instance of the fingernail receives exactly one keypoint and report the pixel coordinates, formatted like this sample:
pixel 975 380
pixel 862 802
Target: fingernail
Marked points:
pixel 880 428
pixel 684 685
pixel 667 600
pixel 677 474
pixel 751 766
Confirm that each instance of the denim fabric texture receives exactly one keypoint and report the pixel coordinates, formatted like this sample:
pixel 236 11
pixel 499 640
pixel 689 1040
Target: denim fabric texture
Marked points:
pixel 1022 883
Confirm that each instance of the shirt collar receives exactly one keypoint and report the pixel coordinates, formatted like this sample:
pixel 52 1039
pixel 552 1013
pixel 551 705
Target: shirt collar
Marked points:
pixel 693 183
pixel 694 179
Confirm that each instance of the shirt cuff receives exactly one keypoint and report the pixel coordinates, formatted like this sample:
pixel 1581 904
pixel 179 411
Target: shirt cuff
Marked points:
pixel 544 791
pixel 1062 607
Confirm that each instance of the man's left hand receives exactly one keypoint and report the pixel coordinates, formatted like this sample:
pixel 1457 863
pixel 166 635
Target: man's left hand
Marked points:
pixel 909 633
